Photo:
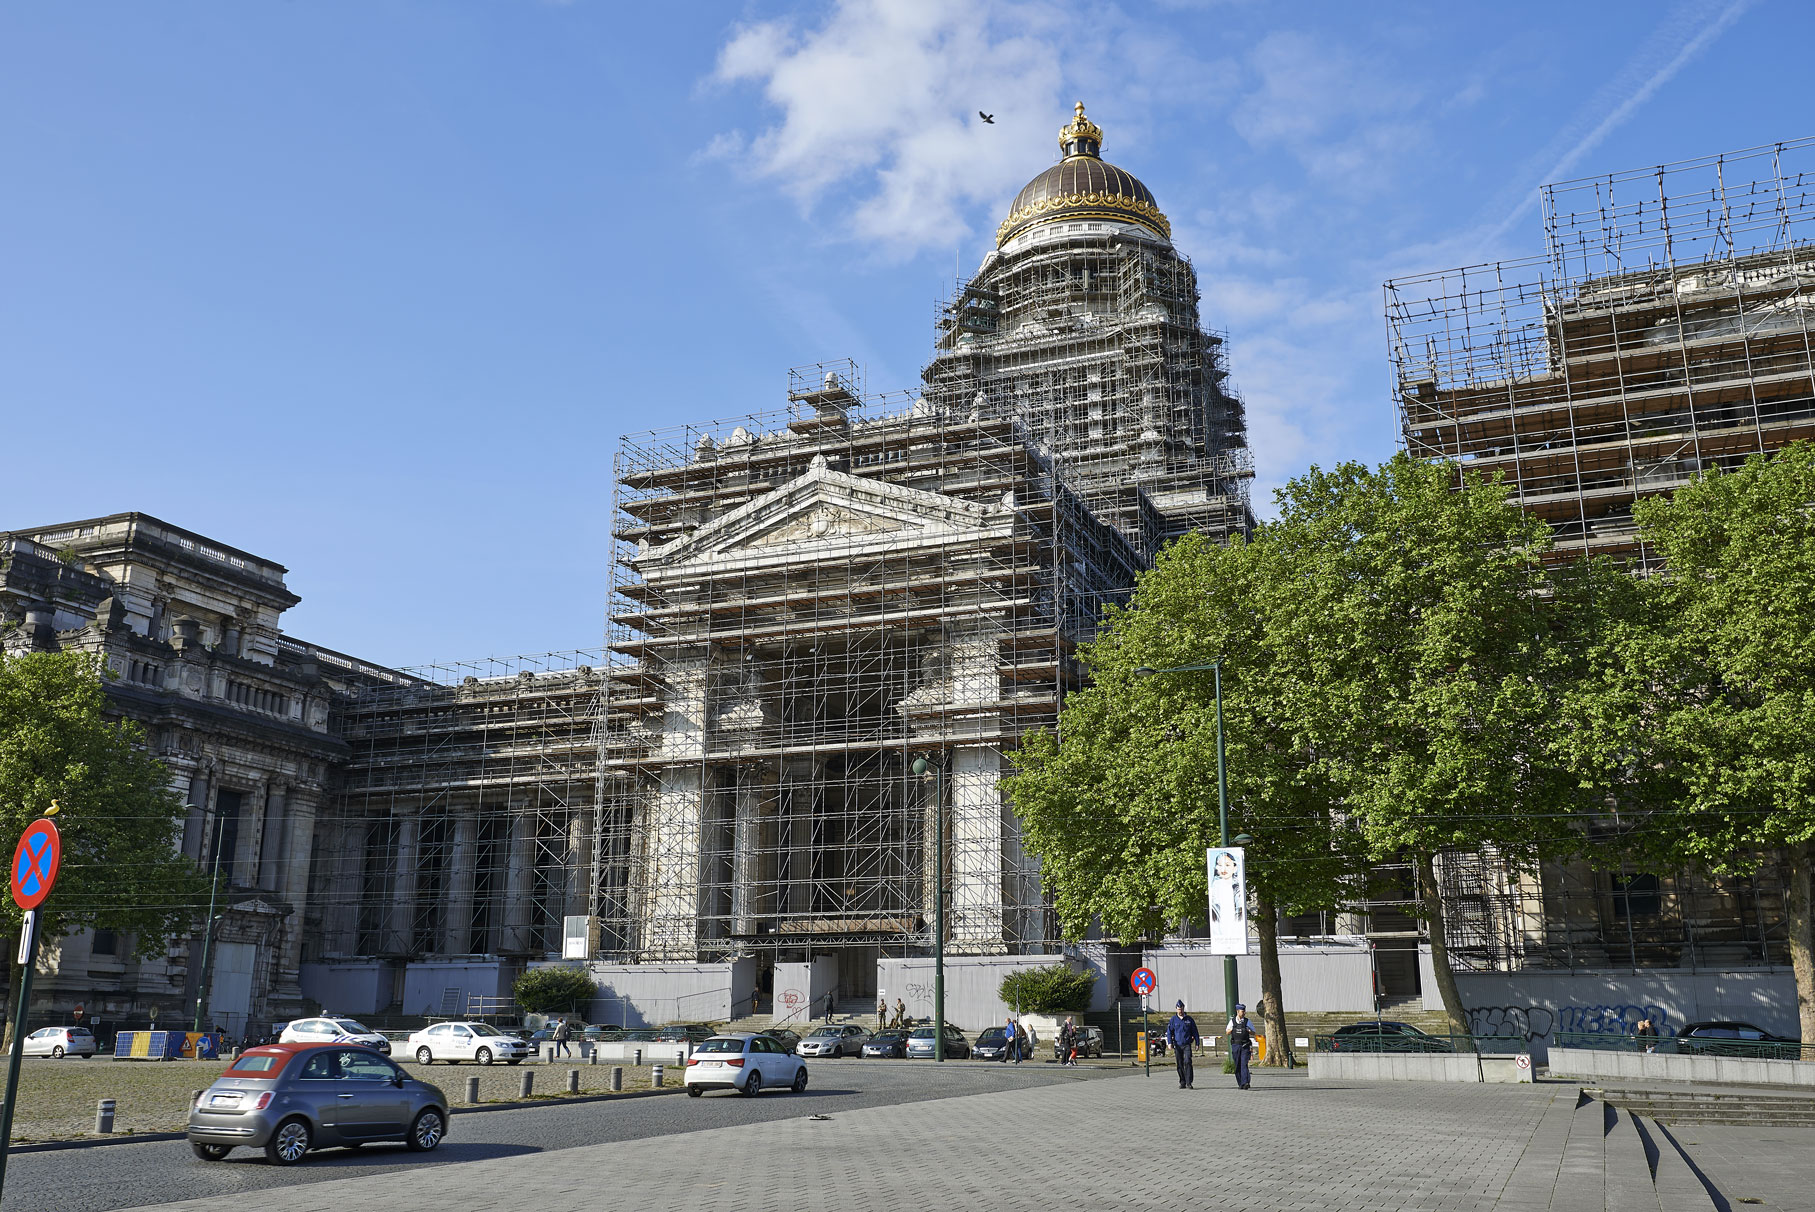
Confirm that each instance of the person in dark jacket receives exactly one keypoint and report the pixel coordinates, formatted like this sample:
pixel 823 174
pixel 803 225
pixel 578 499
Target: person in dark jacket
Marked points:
pixel 1068 1043
pixel 1182 1037
pixel 1241 1043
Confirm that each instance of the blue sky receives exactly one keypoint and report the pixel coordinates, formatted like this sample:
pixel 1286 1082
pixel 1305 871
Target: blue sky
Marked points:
pixel 372 287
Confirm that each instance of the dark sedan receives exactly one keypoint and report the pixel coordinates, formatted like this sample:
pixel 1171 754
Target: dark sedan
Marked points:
pixel 887 1044
pixel 290 1098
pixel 1736 1039
pixel 1385 1035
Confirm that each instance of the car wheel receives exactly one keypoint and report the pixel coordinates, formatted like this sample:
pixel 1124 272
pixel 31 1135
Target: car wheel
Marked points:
pixel 695 1091
pixel 209 1152
pixel 800 1080
pixel 289 1143
pixel 754 1086
pixel 483 1056
pixel 424 1056
pixel 427 1130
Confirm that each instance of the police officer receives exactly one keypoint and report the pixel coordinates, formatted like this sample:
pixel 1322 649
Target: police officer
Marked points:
pixel 1241 1043
pixel 1181 1037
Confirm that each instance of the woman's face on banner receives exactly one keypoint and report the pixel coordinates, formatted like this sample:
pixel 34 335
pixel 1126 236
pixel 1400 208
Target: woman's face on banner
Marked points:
pixel 1225 866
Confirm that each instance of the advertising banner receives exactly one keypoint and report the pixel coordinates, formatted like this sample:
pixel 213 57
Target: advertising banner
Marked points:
pixel 1228 901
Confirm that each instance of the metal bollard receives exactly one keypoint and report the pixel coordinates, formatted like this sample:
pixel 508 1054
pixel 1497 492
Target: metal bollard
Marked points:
pixel 655 1077
pixel 472 1090
pixel 529 1084
pixel 617 1078
pixel 573 1081
pixel 636 1056
pixel 104 1116
pixel 592 1057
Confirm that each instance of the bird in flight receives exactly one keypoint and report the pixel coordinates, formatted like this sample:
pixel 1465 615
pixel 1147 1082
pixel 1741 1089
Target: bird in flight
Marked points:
pixel 989 118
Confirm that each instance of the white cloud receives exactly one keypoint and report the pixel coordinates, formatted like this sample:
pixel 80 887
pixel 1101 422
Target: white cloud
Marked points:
pixel 877 105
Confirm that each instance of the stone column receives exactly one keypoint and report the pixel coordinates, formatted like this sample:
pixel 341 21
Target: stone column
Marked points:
pixel 457 926
pixel 401 935
pixel 342 842
pixel 753 850
pixel 797 897
pixel 295 847
pixel 195 821
pixel 975 920
pixel 671 863
pixel 272 851
pixel 514 939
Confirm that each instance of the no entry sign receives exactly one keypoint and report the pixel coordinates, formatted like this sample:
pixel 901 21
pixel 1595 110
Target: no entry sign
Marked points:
pixel 35 863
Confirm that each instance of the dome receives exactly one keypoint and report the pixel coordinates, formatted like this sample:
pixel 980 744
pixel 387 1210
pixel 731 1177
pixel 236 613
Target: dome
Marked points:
pixel 1083 186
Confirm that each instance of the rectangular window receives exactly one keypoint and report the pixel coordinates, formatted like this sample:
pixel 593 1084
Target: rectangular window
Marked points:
pixel 105 943
pixel 225 833
pixel 1637 896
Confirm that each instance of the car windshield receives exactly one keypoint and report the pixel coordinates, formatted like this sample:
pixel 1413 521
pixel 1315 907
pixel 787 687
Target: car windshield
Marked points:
pixel 484 1029
pixel 826 1033
pixel 351 1026
pixel 922 1033
pixel 721 1045
pixel 258 1062
pixel 994 1035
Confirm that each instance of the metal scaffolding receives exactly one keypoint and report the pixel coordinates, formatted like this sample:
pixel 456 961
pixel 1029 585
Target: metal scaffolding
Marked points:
pixel 1664 332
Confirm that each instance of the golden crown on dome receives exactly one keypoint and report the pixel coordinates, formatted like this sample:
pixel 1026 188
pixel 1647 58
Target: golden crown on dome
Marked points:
pixel 1080 127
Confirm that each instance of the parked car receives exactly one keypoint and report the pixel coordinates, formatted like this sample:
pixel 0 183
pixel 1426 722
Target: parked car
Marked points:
pixel 1385 1035
pixel 742 1062
pixel 1736 1039
pixel 290 1098
pixel 605 1033
pixel 990 1045
pixel 481 1043
pixel 920 1043
pixel 892 1042
pixel 642 1035
pixel 1090 1042
pixel 781 1035
pixel 833 1039
pixel 684 1033
pixel 60 1041
pixel 333 1029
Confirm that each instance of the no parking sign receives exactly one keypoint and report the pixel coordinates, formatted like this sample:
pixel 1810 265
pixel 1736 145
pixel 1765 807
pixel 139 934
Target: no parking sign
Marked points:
pixel 35 863
pixel 1143 981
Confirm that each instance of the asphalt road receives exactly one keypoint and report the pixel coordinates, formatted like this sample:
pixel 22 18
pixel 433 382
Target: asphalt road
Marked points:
pixel 131 1175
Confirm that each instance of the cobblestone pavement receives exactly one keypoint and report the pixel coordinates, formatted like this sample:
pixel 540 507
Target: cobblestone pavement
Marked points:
pixel 1122 1142
pixel 1761 1167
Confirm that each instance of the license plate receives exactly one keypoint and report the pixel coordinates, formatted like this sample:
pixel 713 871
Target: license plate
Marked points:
pixel 223 1100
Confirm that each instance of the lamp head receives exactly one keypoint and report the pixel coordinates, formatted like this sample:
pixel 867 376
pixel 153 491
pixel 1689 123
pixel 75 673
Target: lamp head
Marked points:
pixel 1243 839
pixel 919 766
pixel 1144 671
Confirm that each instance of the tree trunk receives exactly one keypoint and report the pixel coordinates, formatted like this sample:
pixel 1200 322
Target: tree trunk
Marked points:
pixel 1433 914
pixel 1272 1005
pixel 1802 946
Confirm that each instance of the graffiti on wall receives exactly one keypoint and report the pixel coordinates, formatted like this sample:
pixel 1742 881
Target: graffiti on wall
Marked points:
pixel 1536 1022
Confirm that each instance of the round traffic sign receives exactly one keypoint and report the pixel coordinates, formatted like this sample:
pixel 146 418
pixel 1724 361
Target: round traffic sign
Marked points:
pixel 1143 981
pixel 35 863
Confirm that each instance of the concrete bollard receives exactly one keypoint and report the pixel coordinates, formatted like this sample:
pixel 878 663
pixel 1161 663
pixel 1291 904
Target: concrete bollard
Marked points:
pixel 655 1077
pixel 472 1090
pixel 573 1081
pixel 636 1057
pixel 529 1084
pixel 104 1116
pixel 592 1056
pixel 617 1078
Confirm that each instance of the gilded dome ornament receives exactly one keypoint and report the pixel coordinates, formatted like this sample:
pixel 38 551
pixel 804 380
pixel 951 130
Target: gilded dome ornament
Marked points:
pixel 1083 186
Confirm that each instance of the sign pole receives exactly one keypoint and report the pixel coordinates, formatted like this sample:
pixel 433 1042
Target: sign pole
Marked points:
pixel 28 955
pixel 1146 1040
pixel 35 863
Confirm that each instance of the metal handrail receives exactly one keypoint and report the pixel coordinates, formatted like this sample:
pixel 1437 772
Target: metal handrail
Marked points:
pixel 1674 1045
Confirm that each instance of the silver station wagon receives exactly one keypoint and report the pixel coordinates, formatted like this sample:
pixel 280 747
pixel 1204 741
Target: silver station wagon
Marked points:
pixel 290 1098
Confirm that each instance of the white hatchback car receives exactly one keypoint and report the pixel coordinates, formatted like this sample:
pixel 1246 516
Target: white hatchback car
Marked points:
pixel 455 1042
pixel 60 1041
pixel 745 1063
pixel 333 1029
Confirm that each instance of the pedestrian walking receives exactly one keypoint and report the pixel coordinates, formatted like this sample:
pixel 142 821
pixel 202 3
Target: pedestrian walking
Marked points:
pixel 1241 1043
pixel 1182 1037
pixel 1029 1041
pixel 1646 1033
pixel 563 1033
pixel 1068 1043
pixel 1011 1042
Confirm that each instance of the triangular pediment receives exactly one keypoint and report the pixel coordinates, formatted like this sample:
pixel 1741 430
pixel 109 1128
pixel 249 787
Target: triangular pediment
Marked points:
pixel 822 510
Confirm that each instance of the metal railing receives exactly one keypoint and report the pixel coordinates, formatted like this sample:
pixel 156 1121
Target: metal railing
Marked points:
pixel 1698 1045
pixel 1444 1045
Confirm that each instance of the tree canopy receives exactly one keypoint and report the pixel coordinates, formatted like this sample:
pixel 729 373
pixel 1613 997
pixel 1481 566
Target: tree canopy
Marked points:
pixel 118 817
pixel 554 990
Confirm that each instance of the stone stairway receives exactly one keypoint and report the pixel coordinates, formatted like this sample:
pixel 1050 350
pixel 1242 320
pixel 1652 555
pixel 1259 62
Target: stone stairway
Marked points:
pixel 1699 1106
pixel 1591 1156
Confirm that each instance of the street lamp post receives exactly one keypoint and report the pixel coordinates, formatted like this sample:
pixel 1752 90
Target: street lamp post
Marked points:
pixel 201 990
pixel 921 766
pixel 1222 799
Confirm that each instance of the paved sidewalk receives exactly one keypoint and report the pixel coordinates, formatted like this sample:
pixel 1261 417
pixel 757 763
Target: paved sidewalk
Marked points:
pixel 1126 1142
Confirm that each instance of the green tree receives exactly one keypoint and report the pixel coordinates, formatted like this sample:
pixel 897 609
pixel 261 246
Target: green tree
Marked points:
pixel 1049 990
pixel 554 990
pixel 1417 662
pixel 118 817
pixel 1121 803
pixel 1706 707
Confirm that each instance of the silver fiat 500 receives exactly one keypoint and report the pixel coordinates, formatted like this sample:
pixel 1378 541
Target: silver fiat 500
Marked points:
pixel 290 1098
